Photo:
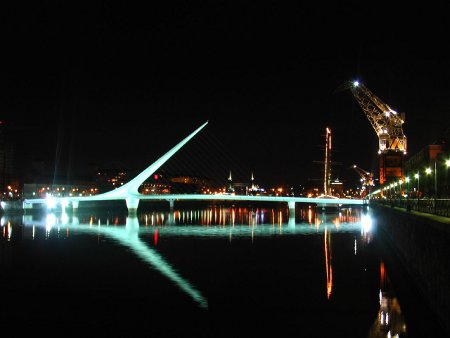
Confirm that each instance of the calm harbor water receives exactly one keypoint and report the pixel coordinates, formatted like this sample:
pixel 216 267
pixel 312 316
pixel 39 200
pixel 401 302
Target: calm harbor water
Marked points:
pixel 209 271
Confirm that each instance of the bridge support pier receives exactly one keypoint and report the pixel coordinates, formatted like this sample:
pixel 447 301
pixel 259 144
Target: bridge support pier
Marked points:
pixel 75 205
pixel 291 205
pixel 171 220
pixel 26 206
pixel 75 220
pixel 291 222
pixel 132 226
pixel 132 205
pixel 172 204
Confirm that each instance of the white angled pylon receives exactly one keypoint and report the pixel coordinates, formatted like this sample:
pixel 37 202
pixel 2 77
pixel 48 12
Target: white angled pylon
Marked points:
pixel 131 188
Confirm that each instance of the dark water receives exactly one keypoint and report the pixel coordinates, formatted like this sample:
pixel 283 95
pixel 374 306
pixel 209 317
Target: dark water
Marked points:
pixel 208 272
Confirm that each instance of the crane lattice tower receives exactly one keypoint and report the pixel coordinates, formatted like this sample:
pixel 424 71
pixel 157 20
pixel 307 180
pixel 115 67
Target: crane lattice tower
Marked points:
pixel 388 126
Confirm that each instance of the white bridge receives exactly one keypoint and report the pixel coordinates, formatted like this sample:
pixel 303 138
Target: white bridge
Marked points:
pixel 129 192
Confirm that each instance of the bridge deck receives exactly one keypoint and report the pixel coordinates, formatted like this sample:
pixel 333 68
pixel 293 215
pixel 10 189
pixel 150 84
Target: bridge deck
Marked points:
pixel 202 197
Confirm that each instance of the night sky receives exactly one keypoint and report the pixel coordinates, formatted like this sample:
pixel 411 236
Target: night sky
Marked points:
pixel 117 85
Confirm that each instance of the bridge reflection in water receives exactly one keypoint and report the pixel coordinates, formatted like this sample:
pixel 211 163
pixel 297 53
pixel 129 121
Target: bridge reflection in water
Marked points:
pixel 141 234
pixel 215 222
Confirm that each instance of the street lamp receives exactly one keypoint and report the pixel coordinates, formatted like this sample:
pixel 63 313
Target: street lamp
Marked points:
pixel 428 171
pixel 447 163
pixel 408 206
pixel 435 180
pixel 417 177
pixel 407 185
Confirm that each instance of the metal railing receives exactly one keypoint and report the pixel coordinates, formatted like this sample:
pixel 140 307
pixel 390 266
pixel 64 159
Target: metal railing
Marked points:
pixel 438 206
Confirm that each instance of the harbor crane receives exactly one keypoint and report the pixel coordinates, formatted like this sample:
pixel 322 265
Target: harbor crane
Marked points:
pixel 388 127
pixel 366 178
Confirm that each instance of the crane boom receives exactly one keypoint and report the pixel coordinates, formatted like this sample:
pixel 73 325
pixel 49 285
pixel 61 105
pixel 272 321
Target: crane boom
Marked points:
pixel 366 177
pixel 386 121
pixel 366 180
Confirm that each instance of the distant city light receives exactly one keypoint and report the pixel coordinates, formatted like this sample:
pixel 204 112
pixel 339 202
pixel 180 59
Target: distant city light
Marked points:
pixel 355 83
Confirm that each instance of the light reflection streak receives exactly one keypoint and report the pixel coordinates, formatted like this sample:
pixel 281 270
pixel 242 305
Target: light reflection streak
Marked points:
pixel 155 237
pixel 337 222
pixel 317 222
pixel 328 266
pixel 50 221
pixel 243 230
pixel 64 218
pixel 390 321
pixel 366 227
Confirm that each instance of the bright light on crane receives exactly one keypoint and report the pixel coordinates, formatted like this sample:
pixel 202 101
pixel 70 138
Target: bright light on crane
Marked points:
pixel 355 83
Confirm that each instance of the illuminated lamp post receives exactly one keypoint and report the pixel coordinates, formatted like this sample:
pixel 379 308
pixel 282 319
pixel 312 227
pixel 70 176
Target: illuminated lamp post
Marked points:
pixel 447 163
pixel 428 171
pixel 417 177
pixel 435 180
pixel 408 206
pixel 400 181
